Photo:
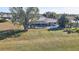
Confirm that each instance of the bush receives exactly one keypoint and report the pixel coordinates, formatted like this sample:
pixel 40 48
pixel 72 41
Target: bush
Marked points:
pixel 77 30
pixel 2 20
pixel 10 33
pixel 71 30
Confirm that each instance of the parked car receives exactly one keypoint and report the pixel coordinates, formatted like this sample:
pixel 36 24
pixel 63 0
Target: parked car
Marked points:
pixel 53 27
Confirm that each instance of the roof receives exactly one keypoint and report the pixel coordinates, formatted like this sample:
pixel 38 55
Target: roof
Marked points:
pixel 71 17
pixel 5 15
pixel 44 19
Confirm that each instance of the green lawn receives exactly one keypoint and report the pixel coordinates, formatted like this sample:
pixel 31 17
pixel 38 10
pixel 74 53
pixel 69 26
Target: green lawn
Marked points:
pixel 41 40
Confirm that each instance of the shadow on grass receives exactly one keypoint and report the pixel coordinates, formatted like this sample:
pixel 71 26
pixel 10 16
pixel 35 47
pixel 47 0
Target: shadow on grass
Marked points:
pixel 10 33
pixel 55 29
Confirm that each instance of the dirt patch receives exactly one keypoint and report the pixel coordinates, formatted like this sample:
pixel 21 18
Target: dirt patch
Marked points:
pixel 6 26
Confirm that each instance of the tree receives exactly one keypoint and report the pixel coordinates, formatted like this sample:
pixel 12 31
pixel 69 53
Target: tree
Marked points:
pixel 76 20
pixel 63 21
pixel 23 15
pixel 50 15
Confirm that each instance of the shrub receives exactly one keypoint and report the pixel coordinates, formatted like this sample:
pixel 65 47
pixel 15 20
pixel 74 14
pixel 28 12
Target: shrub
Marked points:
pixel 2 20
pixel 71 30
pixel 77 30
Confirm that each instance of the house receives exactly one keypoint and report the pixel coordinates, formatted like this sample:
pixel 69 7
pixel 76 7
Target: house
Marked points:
pixel 43 22
pixel 73 21
pixel 6 16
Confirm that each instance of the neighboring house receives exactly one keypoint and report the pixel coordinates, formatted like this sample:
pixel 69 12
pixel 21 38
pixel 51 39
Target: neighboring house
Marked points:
pixel 43 22
pixel 6 16
pixel 73 21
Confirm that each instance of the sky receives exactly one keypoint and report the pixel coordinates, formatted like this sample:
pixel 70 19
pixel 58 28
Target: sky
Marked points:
pixel 68 10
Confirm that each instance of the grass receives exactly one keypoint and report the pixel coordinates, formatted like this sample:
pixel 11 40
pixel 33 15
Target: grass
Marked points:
pixel 40 40
pixel 10 33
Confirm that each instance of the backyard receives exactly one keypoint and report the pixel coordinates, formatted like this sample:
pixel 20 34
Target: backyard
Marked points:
pixel 37 40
